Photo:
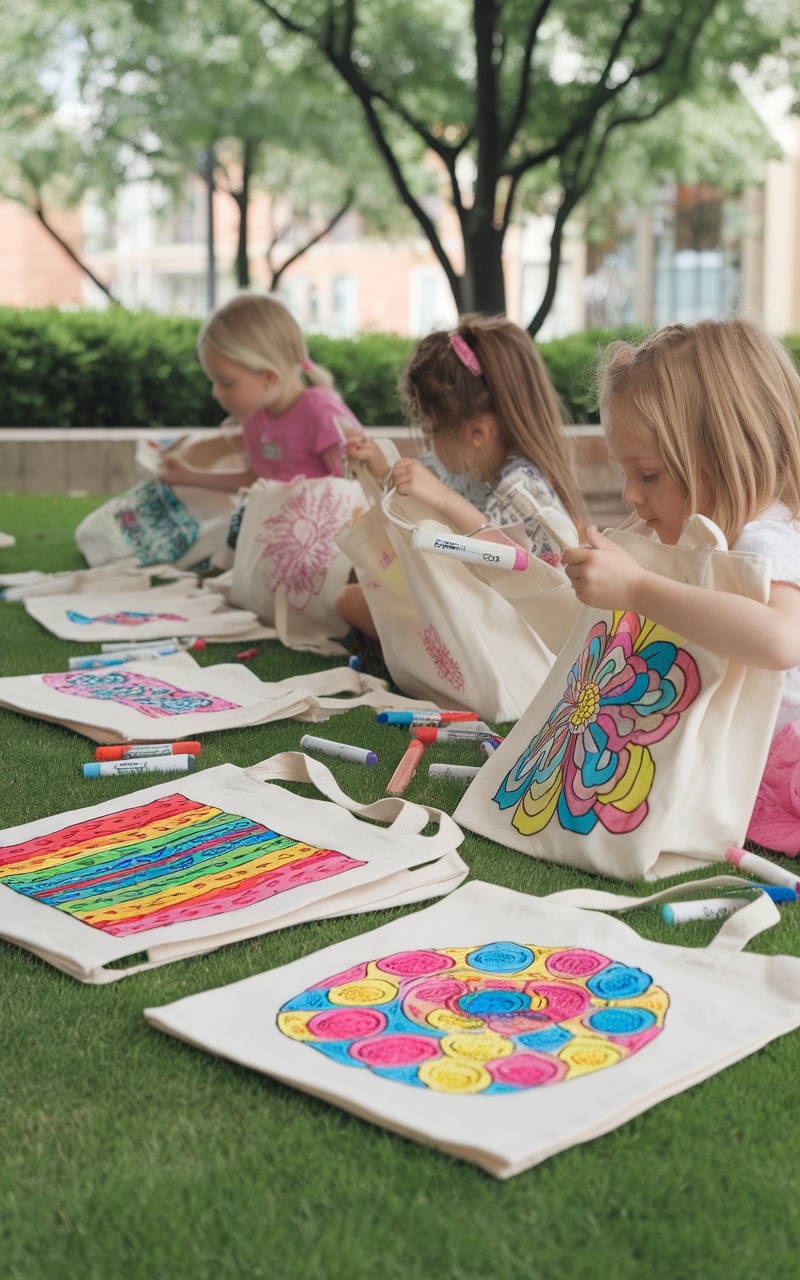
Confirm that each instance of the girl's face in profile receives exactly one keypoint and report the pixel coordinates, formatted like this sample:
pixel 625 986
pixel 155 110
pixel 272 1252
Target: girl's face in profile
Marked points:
pixel 649 488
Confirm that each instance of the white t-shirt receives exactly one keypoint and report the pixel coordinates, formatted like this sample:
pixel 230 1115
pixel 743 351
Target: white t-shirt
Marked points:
pixel 777 537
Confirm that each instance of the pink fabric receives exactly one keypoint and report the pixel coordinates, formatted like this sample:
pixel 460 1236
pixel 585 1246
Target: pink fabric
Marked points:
pixel 775 823
pixel 282 448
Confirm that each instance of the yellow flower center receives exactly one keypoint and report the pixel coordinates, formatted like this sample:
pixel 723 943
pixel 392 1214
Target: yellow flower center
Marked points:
pixel 587 705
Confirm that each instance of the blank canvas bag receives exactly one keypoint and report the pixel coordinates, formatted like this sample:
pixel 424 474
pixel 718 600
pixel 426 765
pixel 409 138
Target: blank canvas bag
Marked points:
pixel 641 754
pixel 287 567
pixel 447 629
pixel 500 1027
pixel 161 700
pixel 181 868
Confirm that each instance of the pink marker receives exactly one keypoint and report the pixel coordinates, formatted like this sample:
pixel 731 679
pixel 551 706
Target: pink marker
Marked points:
pixel 755 865
pixel 407 767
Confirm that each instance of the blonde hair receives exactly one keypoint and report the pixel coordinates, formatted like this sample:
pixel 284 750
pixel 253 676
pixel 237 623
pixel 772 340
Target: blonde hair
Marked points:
pixel 721 399
pixel 513 386
pixel 259 332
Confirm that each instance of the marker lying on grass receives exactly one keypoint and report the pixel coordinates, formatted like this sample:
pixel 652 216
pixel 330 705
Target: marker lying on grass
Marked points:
pixel 464 772
pixel 713 908
pixel 145 750
pixel 424 717
pixel 475 731
pixel 340 750
pixel 407 767
pixel 151 764
pixel 190 644
pixel 491 555
pixel 755 865
pixel 92 661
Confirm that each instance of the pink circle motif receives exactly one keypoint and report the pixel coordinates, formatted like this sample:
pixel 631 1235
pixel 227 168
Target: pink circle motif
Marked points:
pixel 563 1001
pixel 395 1050
pixel 410 964
pixel 345 1024
pixel 526 1070
pixel 353 974
pixel 576 963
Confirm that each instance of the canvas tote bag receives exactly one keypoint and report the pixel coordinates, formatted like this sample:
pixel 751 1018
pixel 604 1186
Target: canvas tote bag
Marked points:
pixel 447 630
pixel 500 1027
pixel 641 754
pixel 181 868
pixel 157 522
pixel 175 609
pixel 163 699
pixel 287 567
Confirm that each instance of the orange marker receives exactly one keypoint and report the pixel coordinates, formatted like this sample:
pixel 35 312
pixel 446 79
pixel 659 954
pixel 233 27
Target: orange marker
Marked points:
pixel 407 767
pixel 142 750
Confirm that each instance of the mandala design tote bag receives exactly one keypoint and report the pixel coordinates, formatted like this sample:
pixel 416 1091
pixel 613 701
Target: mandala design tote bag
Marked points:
pixel 159 523
pixel 169 698
pixel 288 568
pixel 446 629
pixel 500 1027
pixel 182 868
pixel 641 754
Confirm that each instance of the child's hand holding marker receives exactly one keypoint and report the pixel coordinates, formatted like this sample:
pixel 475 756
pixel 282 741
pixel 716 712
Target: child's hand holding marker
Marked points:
pixel 602 574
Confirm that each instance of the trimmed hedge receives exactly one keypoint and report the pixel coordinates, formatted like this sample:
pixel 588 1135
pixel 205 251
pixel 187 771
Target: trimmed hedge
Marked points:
pixel 120 368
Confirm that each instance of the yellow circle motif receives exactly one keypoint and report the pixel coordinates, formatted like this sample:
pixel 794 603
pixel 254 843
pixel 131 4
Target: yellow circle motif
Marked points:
pixel 583 1056
pixel 588 704
pixel 445 1020
pixel 448 1075
pixel 370 991
pixel 477 1048
pixel 295 1022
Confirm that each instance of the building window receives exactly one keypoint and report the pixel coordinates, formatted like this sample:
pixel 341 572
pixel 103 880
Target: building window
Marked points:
pixel 697 233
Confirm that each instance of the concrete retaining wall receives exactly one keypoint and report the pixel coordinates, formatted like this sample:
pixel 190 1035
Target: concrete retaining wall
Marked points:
pixel 101 460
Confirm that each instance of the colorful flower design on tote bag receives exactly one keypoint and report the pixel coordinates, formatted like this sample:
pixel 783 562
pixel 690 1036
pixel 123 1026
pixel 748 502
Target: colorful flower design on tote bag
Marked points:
pixel 591 761
pixel 300 542
pixel 497 1018
pixel 146 694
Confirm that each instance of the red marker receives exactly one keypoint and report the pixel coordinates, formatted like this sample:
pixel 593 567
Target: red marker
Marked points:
pixel 407 767
pixel 141 750
pixel 247 653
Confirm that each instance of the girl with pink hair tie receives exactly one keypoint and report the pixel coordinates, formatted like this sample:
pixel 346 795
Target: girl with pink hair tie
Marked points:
pixel 493 425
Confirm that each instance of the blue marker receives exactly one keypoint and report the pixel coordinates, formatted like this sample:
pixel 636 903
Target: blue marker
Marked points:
pixel 354 662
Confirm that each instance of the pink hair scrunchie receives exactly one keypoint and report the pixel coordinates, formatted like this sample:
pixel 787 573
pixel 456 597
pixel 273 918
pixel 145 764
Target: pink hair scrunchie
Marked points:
pixel 308 364
pixel 465 354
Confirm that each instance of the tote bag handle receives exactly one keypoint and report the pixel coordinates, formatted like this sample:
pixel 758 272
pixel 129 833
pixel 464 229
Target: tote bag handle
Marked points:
pixel 735 931
pixel 403 817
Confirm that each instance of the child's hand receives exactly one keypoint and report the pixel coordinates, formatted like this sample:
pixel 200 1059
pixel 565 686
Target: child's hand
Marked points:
pixel 361 446
pixel 412 479
pixel 172 471
pixel 602 574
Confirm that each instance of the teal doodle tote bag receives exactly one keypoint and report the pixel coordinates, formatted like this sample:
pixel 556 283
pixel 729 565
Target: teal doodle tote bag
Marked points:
pixel 500 1027
pixel 641 754
pixel 223 854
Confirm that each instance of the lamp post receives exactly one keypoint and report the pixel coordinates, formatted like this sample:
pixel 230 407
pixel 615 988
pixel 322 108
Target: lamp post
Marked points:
pixel 207 161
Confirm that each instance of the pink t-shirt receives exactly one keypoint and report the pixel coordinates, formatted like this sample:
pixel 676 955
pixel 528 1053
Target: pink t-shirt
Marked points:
pixel 291 445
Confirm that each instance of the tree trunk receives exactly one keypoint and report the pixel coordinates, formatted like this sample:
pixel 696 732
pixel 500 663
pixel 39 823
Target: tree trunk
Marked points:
pixel 484 287
pixel 242 198
pixel 40 214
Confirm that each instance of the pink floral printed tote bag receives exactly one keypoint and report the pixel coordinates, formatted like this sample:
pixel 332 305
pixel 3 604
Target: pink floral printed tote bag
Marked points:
pixel 641 754
pixel 500 1027
pixel 164 699
pixel 184 867
pixel 447 630
pixel 288 568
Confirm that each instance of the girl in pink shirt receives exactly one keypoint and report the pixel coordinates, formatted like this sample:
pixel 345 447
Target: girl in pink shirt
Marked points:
pixel 292 420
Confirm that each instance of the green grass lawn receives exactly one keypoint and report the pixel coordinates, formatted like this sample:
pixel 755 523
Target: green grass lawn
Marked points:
pixel 127 1155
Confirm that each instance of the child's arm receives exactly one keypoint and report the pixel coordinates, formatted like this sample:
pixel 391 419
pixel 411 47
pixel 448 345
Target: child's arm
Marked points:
pixel 412 479
pixel 172 471
pixel 361 446
pixel 742 630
